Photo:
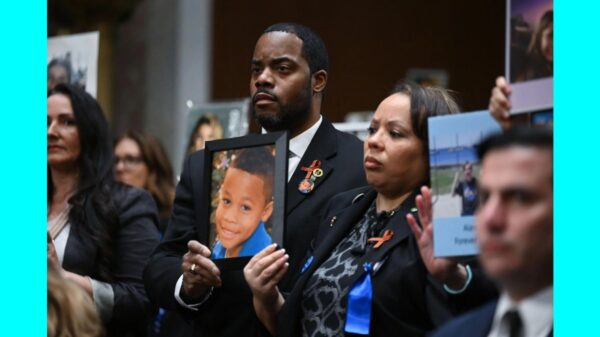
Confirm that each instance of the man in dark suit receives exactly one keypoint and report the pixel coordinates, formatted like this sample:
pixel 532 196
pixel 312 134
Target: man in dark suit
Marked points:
pixel 514 229
pixel 288 79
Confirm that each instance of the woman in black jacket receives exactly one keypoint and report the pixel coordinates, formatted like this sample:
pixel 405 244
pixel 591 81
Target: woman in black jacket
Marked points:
pixel 372 269
pixel 100 233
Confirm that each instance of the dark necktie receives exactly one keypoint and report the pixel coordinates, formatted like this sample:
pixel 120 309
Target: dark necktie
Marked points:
pixel 515 325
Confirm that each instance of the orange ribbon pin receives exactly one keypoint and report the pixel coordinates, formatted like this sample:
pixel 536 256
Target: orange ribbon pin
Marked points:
pixel 380 240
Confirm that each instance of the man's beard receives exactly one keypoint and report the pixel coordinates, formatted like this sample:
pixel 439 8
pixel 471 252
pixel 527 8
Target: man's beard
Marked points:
pixel 292 115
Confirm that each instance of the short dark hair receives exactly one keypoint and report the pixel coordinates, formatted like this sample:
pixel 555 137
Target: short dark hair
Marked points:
pixel 540 137
pixel 426 102
pixel 313 47
pixel 258 161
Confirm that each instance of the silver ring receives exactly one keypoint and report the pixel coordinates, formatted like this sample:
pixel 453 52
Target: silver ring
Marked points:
pixel 193 268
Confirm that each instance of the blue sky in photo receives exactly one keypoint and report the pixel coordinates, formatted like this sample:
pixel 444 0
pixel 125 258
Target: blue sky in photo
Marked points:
pixel 465 129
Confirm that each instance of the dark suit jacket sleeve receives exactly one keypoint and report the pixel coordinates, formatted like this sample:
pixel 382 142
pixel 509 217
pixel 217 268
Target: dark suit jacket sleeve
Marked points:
pixel 164 267
pixel 475 323
pixel 138 236
pixel 480 291
pixel 407 300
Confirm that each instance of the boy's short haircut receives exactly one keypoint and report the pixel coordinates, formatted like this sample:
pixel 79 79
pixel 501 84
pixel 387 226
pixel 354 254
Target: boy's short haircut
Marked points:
pixel 257 161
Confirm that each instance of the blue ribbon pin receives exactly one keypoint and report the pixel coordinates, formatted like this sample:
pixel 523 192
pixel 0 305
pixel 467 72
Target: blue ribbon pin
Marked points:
pixel 360 297
pixel 306 265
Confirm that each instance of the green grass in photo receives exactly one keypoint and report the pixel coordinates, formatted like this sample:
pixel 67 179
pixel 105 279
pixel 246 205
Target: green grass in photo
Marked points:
pixel 442 178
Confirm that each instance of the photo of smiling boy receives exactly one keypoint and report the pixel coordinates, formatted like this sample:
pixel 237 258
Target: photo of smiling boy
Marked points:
pixel 245 204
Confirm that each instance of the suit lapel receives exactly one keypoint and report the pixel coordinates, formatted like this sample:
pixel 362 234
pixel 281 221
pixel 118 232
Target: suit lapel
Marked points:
pixel 483 325
pixel 401 231
pixel 78 249
pixel 346 220
pixel 322 147
pixel 68 257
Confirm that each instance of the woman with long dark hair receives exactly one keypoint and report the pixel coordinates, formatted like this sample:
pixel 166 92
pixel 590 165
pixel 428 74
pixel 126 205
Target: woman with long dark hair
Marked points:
pixel 100 233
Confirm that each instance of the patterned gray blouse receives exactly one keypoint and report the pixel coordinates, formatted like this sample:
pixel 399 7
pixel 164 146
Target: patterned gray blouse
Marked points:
pixel 325 293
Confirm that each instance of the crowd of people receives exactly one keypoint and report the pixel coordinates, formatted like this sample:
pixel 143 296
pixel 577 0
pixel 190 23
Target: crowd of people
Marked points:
pixel 125 258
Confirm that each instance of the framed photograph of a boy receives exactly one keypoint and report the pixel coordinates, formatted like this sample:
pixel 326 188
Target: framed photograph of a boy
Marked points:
pixel 245 204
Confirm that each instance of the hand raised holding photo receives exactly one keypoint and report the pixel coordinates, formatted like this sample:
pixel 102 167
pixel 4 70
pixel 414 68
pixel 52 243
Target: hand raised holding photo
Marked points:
pixel 446 270
pixel 263 273
pixel 500 103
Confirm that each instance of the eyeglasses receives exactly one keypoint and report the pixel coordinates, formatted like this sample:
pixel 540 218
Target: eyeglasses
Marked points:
pixel 128 161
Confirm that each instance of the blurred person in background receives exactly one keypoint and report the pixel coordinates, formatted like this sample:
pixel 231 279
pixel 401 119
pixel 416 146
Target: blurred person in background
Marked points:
pixel 141 161
pixel 59 71
pixel 207 128
pixel 514 226
pixel 100 232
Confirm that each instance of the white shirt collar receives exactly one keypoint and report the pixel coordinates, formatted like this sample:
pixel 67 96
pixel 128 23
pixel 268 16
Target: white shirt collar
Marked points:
pixel 299 144
pixel 537 313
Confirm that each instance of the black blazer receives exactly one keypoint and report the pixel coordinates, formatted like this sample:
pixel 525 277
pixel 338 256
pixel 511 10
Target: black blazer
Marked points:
pixel 229 311
pixel 476 323
pixel 136 239
pixel 407 301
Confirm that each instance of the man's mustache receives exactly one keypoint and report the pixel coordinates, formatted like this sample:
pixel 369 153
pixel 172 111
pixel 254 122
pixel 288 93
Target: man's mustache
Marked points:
pixel 262 93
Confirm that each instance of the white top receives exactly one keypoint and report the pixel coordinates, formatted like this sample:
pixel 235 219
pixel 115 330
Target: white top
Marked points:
pixel 60 242
pixel 537 314
pixel 297 147
pixel 102 292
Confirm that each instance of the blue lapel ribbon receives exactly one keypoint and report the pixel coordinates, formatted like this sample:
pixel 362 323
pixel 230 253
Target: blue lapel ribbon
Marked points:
pixel 307 264
pixel 360 297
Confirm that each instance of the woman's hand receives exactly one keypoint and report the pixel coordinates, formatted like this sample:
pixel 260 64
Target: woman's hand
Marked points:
pixel 262 273
pixel 446 270
pixel 500 104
